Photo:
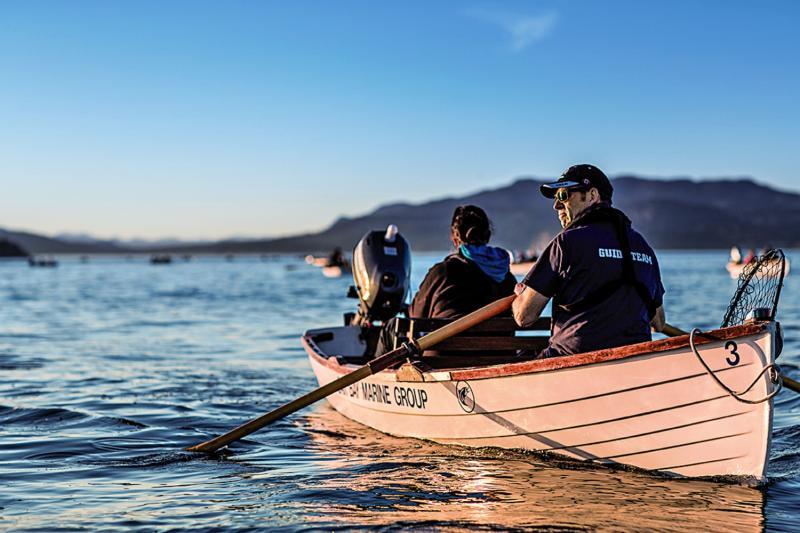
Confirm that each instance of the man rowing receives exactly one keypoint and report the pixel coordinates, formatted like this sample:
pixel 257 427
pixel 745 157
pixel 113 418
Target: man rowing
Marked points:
pixel 601 274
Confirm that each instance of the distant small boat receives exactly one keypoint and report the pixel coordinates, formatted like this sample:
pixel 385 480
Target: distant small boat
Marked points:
pixel 336 271
pixel 163 259
pixel 316 261
pixel 46 262
pixel 736 269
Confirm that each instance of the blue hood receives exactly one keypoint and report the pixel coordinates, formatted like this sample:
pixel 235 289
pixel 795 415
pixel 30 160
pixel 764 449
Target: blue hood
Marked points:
pixel 493 261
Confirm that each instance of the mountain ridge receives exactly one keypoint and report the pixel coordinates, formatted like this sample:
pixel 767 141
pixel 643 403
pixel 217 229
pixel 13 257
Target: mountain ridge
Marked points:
pixel 671 213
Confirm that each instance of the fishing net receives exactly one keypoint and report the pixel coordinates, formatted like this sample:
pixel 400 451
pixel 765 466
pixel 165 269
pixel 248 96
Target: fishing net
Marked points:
pixel 759 287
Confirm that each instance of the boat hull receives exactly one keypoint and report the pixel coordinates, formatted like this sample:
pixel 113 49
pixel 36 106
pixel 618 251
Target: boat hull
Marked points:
pixel 735 269
pixel 335 271
pixel 657 410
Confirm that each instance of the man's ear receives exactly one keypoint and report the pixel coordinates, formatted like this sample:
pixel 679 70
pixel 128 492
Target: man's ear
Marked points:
pixel 594 195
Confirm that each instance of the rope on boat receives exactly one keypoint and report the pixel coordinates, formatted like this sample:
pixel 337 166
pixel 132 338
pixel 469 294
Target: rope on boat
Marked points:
pixel 774 376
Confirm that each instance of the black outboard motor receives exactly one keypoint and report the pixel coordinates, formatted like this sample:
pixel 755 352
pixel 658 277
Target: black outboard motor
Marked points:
pixel 382 272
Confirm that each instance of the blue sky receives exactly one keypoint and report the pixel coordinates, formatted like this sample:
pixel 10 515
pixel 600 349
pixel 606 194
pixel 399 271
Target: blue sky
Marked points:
pixel 257 118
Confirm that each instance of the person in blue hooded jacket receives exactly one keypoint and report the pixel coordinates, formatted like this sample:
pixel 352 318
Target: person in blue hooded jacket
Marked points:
pixel 472 277
pixel 475 275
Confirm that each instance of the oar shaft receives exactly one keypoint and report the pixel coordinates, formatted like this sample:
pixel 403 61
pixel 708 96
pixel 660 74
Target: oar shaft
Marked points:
pixel 286 409
pixel 672 331
pixel 789 383
pixel 465 322
pixel 380 363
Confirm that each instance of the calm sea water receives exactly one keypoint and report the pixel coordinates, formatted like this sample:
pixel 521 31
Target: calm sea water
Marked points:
pixel 108 369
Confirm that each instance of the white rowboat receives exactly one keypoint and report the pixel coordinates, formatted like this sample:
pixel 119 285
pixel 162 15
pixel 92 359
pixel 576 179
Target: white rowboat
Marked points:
pixel 316 261
pixel 736 269
pixel 650 405
pixel 335 271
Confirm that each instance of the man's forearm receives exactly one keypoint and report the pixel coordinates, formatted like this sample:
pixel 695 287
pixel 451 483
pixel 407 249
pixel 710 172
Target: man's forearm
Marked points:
pixel 528 306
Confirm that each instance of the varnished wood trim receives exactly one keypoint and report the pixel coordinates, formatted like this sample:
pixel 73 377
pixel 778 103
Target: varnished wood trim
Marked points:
pixel 611 354
pixel 556 363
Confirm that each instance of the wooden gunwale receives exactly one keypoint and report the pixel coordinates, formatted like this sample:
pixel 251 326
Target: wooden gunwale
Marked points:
pixel 556 363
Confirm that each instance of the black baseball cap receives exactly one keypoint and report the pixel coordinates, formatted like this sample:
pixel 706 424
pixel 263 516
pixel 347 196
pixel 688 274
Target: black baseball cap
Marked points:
pixel 582 178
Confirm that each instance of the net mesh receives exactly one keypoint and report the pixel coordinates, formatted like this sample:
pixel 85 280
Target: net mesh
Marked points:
pixel 759 287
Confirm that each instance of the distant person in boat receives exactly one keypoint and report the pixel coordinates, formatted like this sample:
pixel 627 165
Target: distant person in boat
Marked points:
pixel 336 258
pixel 473 276
pixel 527 256
pixel 750 257
pixel 736 255
pixel 601 274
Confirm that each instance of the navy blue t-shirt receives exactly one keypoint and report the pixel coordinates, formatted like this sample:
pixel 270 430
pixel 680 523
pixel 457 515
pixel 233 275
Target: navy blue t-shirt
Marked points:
pixel 577 262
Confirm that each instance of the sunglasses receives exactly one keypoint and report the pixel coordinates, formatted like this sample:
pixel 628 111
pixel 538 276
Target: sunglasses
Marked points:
pixel 562 194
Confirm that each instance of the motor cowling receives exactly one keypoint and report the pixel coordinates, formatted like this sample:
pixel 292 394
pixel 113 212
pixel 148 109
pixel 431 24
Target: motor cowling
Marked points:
pixel 382 274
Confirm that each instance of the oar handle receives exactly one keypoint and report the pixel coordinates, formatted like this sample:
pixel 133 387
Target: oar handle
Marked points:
pixel 672 331
pixel 376 365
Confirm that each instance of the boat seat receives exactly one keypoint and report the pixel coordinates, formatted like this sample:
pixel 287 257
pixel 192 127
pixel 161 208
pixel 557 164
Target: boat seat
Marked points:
pixel 493 337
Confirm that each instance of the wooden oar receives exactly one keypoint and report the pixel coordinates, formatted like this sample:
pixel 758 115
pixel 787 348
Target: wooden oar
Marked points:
pixel 789 383
pixel 672 331
pixel 374 366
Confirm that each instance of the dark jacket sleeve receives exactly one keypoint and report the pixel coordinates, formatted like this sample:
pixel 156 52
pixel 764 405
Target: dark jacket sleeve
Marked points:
pixel 421 304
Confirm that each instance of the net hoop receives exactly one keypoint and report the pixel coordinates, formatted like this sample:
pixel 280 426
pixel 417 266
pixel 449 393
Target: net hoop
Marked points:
pixel 759 287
